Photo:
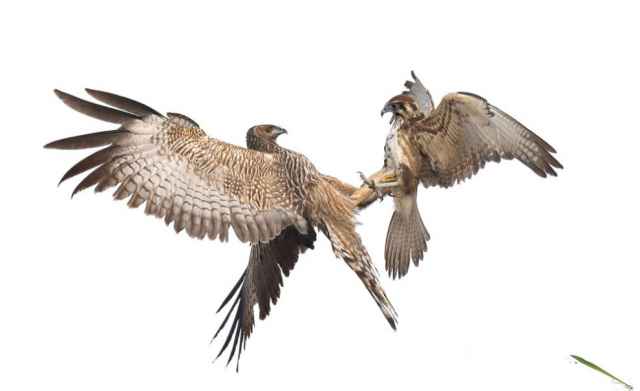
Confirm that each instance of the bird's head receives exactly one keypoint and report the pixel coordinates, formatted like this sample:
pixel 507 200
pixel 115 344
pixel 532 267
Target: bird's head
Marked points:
pixel 400 106
pixel 263 137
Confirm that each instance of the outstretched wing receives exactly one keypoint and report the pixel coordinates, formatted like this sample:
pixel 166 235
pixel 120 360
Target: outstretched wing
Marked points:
pixel 465 131
pixel 420 94
pixel 200 184
pixel 260 284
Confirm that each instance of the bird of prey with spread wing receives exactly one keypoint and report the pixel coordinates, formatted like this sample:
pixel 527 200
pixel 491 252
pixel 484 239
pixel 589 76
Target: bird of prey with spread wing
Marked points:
pixel 273 199
pixel 261 281
pixel 441 146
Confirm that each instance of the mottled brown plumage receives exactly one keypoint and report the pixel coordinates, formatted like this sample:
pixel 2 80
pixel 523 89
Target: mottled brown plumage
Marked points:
pixel 260 283
pixel 441 146
pixel 204 186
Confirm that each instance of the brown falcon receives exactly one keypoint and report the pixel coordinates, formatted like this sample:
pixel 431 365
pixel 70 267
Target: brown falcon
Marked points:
pixel 204 186
pixel 260 283
pixel 441 146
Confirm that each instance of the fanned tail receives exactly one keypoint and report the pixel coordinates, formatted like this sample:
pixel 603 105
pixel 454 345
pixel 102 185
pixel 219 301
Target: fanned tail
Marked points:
pixel 406 237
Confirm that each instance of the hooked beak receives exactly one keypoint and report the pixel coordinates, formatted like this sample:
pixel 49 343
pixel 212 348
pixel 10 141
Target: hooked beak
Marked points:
pixel 388 108
pixel 280 131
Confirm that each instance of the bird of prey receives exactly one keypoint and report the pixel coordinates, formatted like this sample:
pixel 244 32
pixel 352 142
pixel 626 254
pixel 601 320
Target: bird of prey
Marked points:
pixel 441 146
pixel 260 282
pixel 204 186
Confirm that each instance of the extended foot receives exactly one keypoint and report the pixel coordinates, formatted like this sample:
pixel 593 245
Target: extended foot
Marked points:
pixel 371 183
pixel 368 182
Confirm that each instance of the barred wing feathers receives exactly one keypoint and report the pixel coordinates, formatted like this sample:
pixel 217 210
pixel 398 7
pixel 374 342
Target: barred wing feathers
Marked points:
pixel 465 131
pixel 199 184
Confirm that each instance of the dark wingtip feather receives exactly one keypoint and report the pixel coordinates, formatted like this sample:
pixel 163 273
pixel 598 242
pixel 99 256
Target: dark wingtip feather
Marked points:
pixel 122 102
pixel 232 292
pixel 540 172
pixel 91 109
pixel 235 340
pixel 554 162
pixel 91 161
pixel 226 318
pixel 91 140
pixel 93 178
pixel 234 326
pixel 539 140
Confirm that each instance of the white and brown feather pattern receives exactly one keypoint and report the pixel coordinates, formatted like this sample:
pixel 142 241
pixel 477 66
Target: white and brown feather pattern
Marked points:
pixel 465 132
pixel 337 222
pixel 197 183
pixel 204 186
pixel 261 281
pixel 441 147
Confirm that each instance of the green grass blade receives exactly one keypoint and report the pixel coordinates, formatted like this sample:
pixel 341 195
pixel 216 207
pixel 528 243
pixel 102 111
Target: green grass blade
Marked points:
pixel 597 368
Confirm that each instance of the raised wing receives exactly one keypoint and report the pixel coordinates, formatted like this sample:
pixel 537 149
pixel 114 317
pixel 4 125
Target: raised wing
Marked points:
pixel 200 184
pixel 465 131
pixel 420 94
pixel 260 284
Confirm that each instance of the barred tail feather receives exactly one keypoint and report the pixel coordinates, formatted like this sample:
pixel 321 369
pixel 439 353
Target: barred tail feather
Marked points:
pixel 406 238
pixel 369 277
pixel 335 213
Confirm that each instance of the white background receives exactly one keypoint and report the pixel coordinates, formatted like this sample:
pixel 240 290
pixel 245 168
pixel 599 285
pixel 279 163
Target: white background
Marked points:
pixel 520 273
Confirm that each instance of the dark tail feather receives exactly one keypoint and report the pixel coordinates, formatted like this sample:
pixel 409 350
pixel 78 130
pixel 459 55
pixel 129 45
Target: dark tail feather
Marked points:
pixel 406 241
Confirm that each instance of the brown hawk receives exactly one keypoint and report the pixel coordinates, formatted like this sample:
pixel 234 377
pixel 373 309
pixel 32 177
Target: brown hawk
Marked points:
pixel 441 146
pixel 260 283
pixel 204 186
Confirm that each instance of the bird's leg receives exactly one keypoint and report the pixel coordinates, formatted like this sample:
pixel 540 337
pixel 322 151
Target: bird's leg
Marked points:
pixel 388 179
pixel 366 195
pixel 374 187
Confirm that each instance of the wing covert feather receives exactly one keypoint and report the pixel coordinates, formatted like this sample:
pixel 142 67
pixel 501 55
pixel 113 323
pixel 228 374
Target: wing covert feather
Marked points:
pixel 465 131
pixel 199 184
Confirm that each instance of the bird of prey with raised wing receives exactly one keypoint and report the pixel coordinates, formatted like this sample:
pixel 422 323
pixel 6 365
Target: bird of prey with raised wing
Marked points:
pixel 260 283
pixel 204 186
pixel 441 146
